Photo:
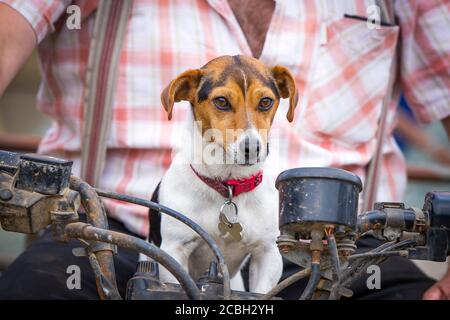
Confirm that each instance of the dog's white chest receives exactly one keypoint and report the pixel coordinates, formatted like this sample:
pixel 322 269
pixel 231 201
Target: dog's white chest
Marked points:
pixel 257 214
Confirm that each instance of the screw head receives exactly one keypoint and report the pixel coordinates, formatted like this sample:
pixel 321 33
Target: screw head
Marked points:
pixel 5 194
pixel 284 248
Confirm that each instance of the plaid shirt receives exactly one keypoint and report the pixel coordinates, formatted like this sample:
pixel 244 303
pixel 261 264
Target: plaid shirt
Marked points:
pixel 341 67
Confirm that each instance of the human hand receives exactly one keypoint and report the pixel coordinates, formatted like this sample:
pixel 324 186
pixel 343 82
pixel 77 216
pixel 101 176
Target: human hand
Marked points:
pixel 440 290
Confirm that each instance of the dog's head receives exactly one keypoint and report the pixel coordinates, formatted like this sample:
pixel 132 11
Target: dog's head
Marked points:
pixel 236 98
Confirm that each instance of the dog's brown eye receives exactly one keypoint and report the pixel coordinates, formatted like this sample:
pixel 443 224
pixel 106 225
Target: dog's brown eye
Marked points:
pixel 265 104
pixel 222 103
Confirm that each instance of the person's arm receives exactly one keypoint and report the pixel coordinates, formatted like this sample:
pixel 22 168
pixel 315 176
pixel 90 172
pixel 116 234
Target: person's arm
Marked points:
pixel 441 290
pixel 424 74
pixel 17 41
pixel 417 137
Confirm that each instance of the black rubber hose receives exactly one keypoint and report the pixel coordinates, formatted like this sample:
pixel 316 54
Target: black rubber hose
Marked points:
pixel 380 219
pixel 312 283
pixel 85 231
pixel 335 264
pixel 96 215
pixel 191 224
pixel 286 283
pixel 371 220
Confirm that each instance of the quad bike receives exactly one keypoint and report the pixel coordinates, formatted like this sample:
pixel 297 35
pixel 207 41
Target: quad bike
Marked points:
pixel 318 229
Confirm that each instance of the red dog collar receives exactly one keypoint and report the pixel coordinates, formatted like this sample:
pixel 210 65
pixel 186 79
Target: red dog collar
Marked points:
pixel 238 186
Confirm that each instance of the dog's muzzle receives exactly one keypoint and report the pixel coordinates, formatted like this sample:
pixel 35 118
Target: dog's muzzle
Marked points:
pixel 250 150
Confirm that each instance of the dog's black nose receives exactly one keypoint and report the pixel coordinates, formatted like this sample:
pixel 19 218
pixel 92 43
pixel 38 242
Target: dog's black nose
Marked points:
pixel 248 147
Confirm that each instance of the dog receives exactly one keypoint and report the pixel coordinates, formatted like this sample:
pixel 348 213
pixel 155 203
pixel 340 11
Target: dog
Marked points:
pixel 236 94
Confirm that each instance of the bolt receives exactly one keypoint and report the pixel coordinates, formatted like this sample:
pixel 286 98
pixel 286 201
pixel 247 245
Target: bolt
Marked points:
pixel 315 256
pixel 316 240
pixel 5 194
pixel 284 248
pixel 391 236
pixel 344 253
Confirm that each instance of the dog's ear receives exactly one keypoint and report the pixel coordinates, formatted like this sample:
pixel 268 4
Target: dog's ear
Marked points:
pixel 286 84
pixel 181 88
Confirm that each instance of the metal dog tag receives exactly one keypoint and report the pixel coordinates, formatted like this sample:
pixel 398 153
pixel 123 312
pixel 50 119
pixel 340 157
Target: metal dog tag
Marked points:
pixel 233 229
pixel 228 223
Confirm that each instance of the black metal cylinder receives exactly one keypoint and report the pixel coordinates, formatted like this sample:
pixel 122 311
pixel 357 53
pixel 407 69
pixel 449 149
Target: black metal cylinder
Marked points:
pixel 311 197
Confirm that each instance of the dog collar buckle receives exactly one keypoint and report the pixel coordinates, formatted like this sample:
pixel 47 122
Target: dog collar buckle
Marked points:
pixel 246 184
pixel 237 186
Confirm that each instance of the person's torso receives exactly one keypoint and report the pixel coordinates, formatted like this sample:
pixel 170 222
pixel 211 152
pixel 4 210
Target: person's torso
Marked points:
pixel 341 67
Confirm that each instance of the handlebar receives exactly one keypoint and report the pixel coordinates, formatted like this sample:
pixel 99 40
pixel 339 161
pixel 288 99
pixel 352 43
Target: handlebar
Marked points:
pixel 318 229
pixel 36 191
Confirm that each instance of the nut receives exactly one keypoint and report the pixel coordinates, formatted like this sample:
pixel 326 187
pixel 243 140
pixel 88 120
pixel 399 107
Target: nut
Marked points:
pixel 6 194
pixel 284 248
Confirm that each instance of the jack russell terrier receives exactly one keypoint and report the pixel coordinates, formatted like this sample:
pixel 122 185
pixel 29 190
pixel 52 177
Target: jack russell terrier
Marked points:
pixel 233 101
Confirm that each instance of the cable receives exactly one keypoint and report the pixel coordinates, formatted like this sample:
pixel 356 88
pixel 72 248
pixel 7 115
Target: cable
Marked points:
pixel 96 215
pixel 312 283
pixel 355 271
pixel 286 283
pixel 335 264
pixel 401 253
pixel 191 224
pixel 85 231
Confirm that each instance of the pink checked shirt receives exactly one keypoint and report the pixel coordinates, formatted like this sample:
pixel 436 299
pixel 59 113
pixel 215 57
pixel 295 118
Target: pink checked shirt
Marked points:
pixel 341 67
